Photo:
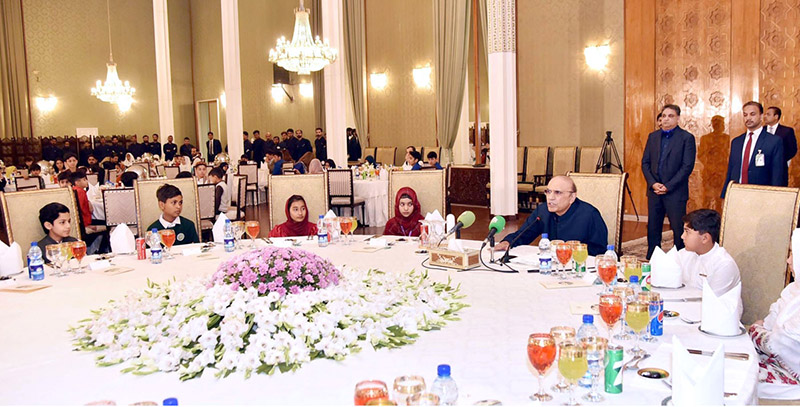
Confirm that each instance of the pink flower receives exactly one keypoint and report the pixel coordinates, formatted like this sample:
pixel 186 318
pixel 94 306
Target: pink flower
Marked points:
pixel 262 288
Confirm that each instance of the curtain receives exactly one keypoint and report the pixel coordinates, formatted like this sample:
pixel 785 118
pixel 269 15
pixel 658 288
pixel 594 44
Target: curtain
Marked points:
pixel 355 45
pixel 318 78
pixel 15 117
pixel 484 24
pixel 451 20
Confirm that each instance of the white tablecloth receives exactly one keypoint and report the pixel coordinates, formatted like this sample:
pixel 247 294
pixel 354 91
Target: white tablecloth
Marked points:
pixel 486 348
pixel 376 201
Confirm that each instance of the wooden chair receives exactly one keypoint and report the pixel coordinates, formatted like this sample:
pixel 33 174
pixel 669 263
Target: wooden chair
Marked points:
pixel 426 150
pixel 429 186
pixel 119 205
pixel 31 183
pixel 21 214
pixel 588 159
pixel 160 170
pixel 604 192
pixel 94 179
pixel 310 186
pixel 206 195
pixel 111 175
pixel 251 172
pixel 757 223
pixel 171 171
pixel 241 197
pixel 147 203
pixel 535 174
pixel 385 155
pixel 521 158
pixel 341 194
pixel 373 151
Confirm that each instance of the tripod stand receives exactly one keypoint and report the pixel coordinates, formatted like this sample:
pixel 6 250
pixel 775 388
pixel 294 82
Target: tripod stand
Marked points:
pixel 605 164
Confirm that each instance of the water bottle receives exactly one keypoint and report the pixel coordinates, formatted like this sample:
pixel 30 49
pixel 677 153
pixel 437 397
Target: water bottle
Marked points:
pixel 229 242
pixel 585 331
pixel 445 387
pixel 35 263
pixel 634 284
pixel 610 252
pixel 155 247
pixel 545 257
pixel 322 232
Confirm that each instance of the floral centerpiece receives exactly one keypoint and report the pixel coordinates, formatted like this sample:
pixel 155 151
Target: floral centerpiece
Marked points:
pixel 264 311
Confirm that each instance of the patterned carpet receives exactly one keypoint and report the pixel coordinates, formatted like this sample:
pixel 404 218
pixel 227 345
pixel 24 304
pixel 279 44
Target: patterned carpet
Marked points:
pixel 638 247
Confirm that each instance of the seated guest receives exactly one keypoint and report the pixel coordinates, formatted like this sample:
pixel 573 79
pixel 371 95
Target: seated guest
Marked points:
pixel 63 179
pixel 329 163
pixel 127 178
pixel 407 214
pixel 415 160
pixel 111 163
pixel 777 340
pixel 275 160
pixel 79 184
pixel 222 196
pixel 35 171
pixel 315 167
pixel 297 223
pixel 407 164
pixel 71 161
pixel 95 168
pixel 170 201
pixel 370 160
pixel 565 217
pixel 59 166
pixel 201 172
pixel 433 160
pixel 243 160
pixel 184 174
pixel 28 161
pixel 55 220
pixel 224 167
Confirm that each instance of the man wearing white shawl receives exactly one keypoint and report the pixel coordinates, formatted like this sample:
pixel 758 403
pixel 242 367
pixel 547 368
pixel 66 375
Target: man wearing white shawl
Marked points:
pixel 777 340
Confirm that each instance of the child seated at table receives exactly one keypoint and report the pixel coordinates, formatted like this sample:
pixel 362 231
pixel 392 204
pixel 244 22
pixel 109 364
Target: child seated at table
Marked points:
pixel 63 179
pixel 777 340
pixel 127 178
pixel 79 184
pixel 55 219
pixel 35 170
pixel 222 196
pixel 170 201
pixel 407 214
pixel 297 223
pixel 433 160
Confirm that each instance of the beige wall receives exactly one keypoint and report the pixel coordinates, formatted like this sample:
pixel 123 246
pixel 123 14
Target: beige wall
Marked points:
pixel 209 82
pixel 180 50
pixel 67 45
pixel 560 100
pixel 399 39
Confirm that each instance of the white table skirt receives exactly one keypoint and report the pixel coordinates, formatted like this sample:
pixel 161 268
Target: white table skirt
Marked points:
pixel 486 348
pixel 375 194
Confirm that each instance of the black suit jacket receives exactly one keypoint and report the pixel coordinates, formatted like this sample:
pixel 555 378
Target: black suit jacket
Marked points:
pixel 773 172
pixel 212 152
pixel 678 164
pixel 789 141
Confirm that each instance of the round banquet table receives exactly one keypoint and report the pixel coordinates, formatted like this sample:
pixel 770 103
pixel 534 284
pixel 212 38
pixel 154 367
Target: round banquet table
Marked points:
pixel 376 202
pixel 486 348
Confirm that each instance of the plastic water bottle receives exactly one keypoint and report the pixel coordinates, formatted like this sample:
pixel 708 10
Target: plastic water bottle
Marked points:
pixel 585 331
pixel 35 263
pixel 445 387
pixel 229 242
pixel 610 252
pixel 545 257
pixel 634 284
pixel 155 247
pixel 322 232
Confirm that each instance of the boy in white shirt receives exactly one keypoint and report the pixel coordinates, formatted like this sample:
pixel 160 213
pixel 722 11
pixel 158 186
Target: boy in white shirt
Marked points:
pixel 222 196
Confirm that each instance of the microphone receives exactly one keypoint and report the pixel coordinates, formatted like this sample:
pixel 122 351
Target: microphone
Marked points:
pixel 465 220
pixel 505 258
pixel 497 225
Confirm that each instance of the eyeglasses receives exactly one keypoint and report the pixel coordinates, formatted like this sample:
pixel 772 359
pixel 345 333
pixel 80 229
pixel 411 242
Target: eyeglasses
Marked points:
pixel 556 193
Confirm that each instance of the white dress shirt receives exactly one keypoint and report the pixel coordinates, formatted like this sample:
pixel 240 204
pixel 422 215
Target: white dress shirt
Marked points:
pixel 225 201
pixel 716 266
pixel 753 151
pixel 168 225
pixel 772 129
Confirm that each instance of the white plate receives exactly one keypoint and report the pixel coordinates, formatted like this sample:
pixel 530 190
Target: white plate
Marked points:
pixel 742 331
pixel 669 288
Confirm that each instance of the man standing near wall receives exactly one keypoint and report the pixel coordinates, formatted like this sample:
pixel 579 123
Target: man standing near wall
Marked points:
pixel 155 146
pixel 321 144
pixel 170 149
pixel 667 162
pixel 771 118
pixel 213 147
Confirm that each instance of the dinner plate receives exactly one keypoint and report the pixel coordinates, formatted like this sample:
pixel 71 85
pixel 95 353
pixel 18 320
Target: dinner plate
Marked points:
pixel 669 288
pixel 742 331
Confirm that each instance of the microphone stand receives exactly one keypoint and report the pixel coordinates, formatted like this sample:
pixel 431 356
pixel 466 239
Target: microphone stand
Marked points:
pixel 491 251
pixel 505 258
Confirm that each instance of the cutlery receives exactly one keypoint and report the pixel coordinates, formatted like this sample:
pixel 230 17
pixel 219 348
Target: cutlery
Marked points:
pixel 729 355
pixel 266 240
pixel 689 321
pixel 635 366
pixel 633 359
pixel 692 299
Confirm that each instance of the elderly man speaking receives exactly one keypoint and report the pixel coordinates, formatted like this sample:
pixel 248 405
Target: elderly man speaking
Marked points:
pixel 564 218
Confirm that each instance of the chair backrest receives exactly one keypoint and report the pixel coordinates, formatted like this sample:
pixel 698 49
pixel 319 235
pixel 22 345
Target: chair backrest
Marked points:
pixel 21 212
pixel 93 179
pixel 385 155
pixel 250 171
pixel 241 196
pixel 147 202
pixel 160 170
pixel 757 223
pixel 310 186
pixel 112 174
pixel 521 163
pixel 426 150
pixel 564 160
pixel 287 168
pixel 340 183
pixel 373 151
pixel 119 205
pixel 588 160
pixel 536 162
pixel 604 192
pixel 429 186
pixel 205 193
pixel 21 172
pixel 171 171
pixel 26 184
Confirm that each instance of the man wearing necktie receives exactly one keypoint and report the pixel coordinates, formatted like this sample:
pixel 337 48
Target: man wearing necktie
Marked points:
pixel 213 147
pixel 771 118
pixel 756 156
pixel 667 162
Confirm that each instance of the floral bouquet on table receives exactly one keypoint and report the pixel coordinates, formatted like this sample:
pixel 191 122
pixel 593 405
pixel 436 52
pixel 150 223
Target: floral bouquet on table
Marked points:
pixel 264 311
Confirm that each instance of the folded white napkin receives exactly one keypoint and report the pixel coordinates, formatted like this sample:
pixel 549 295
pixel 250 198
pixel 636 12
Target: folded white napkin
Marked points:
pixel 450 221
pixel 122 240
pixel 219 228
pixel 694 384
pixel 11 259
pixel 455 245
pixel 664 269
pixel 436 222
pixel 720 314
pixel 330 214
pixel 94 192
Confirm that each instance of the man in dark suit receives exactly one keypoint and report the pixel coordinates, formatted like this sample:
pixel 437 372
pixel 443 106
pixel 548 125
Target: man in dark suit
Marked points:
pixel 170 149
pixel 186 148
pixel 136 148
pixel 154 147
pixel 756 156
pixel 259 148
pixel 667 162
pixel 213 147
pixel 117 148
pixel 771 118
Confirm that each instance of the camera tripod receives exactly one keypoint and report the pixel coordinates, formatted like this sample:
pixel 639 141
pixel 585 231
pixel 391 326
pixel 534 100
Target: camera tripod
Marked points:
pixel 605 164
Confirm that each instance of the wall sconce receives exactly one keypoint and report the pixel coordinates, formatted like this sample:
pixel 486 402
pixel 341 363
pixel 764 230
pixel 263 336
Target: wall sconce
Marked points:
pixel 597 56
pixel 223 100
pixel 422 77
pixel 378 80
pixel 307 90
pixel 46 104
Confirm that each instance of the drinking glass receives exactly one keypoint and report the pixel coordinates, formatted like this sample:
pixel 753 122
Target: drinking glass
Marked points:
pixel 79 251
pixel 353 226
pixel 595 354
pixel 368 390
pixel 345 223
pixel 542 354
pixel 54 255
pixel 406 387
pixel 564 255
pixel 238 230
pixel 631 267
pixel 66 255
pixel 168 238
pixel 610 311
pixel 580 253
pixel 561 334
pixel 424 399
pixel 637 315
pixel 573 365
pixel 252 227
pixel 574 244
pixel 646 297
pixel 626 294
pixel 607 271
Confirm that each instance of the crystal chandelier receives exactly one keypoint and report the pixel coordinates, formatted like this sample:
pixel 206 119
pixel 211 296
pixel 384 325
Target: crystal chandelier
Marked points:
pixel 304 54
pixel 113 90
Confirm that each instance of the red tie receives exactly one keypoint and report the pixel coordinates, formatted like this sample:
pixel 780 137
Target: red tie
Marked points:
pixel 746 159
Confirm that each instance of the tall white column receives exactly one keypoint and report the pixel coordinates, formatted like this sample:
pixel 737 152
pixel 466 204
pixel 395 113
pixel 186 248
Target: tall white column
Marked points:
pixel 336 93
pixel 166 123
pixel 233 77
pixel 503 105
